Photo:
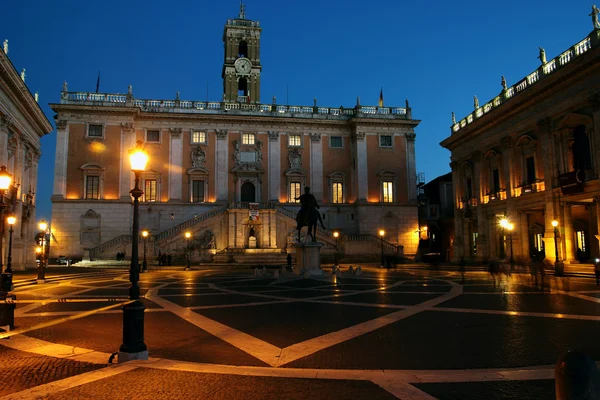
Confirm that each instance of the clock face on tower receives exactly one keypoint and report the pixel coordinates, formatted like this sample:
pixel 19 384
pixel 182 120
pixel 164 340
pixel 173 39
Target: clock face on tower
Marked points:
pixel 243 66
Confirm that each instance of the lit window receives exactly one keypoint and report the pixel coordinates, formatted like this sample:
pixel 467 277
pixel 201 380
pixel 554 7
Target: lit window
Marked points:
pixel 92 187
pixel 295 140
pixel 338 192
pixel 248 138
pixel 152 136
pixel 150 188
pixel 385 141
pixel 294 192
pixel 335 141
pixel 198 137
pixel 197 191
pixel 95 130
pixel 388 192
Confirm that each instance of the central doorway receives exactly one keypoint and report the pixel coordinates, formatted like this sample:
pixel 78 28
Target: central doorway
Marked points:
pixel 248 192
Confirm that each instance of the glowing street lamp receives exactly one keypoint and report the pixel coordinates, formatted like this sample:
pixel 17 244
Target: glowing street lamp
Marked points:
pixel 133 347
pixel 144 263
pixel 5 180
pixel 382 234
pixel 336 235
pixel 188 235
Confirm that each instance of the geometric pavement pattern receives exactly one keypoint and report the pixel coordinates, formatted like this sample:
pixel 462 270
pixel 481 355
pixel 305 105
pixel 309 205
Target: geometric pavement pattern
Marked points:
pixel 406 333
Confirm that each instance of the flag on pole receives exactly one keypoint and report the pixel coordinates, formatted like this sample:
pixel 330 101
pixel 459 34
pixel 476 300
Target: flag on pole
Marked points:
pixel 381 98
pixel 248 97
pixel 98 83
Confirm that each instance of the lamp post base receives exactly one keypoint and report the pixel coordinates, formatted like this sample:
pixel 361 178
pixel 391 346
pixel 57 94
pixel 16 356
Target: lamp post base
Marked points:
pixel 41 280
pixel 124 357
pixel 133 347
pixel 559 268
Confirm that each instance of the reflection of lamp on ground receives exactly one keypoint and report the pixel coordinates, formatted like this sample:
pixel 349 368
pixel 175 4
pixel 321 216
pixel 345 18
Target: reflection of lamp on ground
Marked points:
pixel 144 263
pixel 187 250
pixel 336 235
pixel 381 234
pixel 133 347
pixel 558 265
pixel 42 267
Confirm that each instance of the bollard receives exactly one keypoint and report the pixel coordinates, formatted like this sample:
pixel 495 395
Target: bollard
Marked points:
pixel 7 310
pixel 577 377
pixel 264 271
pixel 358 271
pixel 276 274
pixel 351 270
pixel 338 273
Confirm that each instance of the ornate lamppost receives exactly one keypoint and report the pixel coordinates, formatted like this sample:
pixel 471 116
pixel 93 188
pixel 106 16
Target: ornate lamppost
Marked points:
pixel 336 235
pixel 133 347
pixel 381 234
pixel 11 221
pixel 5 179
pixel 187 250
pixel 559 267
pixel 41 278
pixel 144 263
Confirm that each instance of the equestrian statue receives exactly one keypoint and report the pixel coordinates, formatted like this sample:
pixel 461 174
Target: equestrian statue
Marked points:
pixel 308 214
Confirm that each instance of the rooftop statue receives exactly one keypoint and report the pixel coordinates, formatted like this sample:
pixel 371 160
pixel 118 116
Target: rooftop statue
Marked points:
pixel 453 118
pixel 130 90
pixel 542 55
pixel 594 16
pixel 242 10
pixel 5 45
pixel 475 102
pixel 65 87
pixel 503 83
pixel 23 74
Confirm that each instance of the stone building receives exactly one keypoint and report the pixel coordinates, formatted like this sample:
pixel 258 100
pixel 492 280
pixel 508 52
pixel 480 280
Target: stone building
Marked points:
pixel 22 124
pixel 209 161
pixel 532 155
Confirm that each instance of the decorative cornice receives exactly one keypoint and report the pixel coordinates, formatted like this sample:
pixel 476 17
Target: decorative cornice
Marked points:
pixel 315 137
pixel 175 132
pixel 360 136
pixel 61 124
pixel 273 136
pixel 6 122
pixel 221 134
pixel 543 124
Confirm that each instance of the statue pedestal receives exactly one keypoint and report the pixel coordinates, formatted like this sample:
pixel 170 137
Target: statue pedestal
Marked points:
pixel 308 256
pixel 252 242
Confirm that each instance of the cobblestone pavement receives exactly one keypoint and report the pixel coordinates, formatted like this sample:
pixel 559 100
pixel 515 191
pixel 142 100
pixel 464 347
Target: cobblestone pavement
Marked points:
pixel 407 333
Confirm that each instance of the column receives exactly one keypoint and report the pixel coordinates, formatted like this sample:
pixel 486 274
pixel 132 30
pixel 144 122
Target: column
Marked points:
pixel 125 176
pixel 595 101
pixel 523 227
pixel 411 169
pixel 274 166
pixel 459 240
pixel 507 160
pixel 551 214
pixel 221 167
pixel 597 215
pixel 361 167
pixel 549 155
pixel 570 245
pixel 4 125
pixel 60 161
pixel 316 166
pixel 176 165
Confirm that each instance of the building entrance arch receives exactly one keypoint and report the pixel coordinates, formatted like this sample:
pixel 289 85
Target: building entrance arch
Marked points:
pixel 248 192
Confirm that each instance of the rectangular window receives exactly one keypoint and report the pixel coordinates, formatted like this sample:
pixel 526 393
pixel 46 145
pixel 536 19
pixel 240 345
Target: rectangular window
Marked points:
pixel 581 242
pixel 152 136
pixel 495 181
pixel 530 162
pixel 388 193
pixel 92 187
pixel 198 137
pixel 474 249
pixel 338 192
pixel 385 141
pixel 197 191
pixel 538 242
pixel 295 140
pixel 95 130
pixel 150 188
pixel 248 138
pixel 335 142
pixel 294 192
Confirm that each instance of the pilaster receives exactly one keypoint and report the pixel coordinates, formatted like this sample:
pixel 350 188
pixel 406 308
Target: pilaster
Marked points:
pixel 507 158
pixel 568 240
pixel 361 167
pixel 274 166
pixel 221 167
pixel 4 127
pixel 60 161
pixel 125 176
pixel 411 168
pixel 176 164
pixel 523 227
pixel 316 166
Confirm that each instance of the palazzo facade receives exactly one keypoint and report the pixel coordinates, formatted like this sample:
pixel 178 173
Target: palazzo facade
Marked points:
pixel 209 161
pixel 22 124
pixel 531 155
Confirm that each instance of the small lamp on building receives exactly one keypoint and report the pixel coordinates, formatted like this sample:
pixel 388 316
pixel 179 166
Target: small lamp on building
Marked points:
pixel 559 267
pixel 133 347
pixel 381 235
pixel 41 278
pixel 188 235
pixel 144 262
pixel 336 235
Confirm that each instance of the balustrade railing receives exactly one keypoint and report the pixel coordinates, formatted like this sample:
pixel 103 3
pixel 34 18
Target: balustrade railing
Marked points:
pixel 189 223
pixel 548 68
pixel 96 251
pixel 367 237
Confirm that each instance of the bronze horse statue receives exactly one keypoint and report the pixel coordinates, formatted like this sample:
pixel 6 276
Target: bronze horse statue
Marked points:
pixel 308 218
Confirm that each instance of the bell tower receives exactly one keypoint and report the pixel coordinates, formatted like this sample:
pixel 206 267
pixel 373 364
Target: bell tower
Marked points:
pixel 241 67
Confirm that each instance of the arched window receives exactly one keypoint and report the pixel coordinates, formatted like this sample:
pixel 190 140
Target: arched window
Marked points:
pixel 242 87
pixel 243 49
pixel 248 192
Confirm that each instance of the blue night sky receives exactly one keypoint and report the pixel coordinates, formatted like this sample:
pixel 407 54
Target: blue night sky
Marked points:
pixel 438 54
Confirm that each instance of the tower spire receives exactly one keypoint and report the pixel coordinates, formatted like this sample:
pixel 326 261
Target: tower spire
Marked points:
pixel 242 10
